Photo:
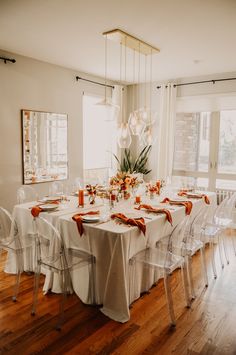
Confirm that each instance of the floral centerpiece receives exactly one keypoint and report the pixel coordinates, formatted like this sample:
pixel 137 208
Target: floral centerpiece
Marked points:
pixel 92 191
pixel 155 188
pixel 124 182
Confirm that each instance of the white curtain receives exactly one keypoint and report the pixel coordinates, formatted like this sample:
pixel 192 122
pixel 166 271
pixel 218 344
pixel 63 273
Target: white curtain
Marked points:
pixel 166 131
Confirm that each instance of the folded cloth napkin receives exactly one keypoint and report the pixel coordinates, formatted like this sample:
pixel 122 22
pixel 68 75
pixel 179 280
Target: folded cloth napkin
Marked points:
pixel 189 195
pixel 156 210
pixel 187 204
pixel 78 219
pixel 138 222
pixel 35 211
pixel 56 202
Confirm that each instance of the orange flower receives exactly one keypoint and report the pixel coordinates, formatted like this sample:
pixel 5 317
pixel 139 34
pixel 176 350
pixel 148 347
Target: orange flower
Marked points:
pixel 128 180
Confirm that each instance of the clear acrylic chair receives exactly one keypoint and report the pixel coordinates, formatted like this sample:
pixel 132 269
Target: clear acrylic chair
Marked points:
pixel 26 194
pixel 213 233
pixel 192 243
pixel 56 188
pixel 52 255
pixel 10 241
pixel 164 260
pixel 231 224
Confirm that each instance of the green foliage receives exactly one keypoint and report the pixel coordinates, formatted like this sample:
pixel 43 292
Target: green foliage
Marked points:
pixel 138 165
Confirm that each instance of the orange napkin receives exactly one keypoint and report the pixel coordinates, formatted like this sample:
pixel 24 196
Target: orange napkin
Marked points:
pixel 156 210
pixel 189 195
pixel 78 219
pixel 139 222
pixel 35 211
pixel 188 204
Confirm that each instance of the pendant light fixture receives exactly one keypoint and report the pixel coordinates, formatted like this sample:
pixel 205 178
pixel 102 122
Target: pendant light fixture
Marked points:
pixel 107 101
pixel 137 125
pixel 148 136
pixel 123 137
pixel 140 120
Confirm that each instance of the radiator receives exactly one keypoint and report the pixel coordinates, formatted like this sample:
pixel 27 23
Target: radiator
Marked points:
pixel 222 194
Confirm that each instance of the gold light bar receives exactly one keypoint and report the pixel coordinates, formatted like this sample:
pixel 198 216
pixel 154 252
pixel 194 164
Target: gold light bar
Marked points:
pixel 130 41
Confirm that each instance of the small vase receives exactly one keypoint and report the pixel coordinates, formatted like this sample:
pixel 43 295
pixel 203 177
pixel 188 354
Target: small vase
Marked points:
pixel 152 195
pixel 92 199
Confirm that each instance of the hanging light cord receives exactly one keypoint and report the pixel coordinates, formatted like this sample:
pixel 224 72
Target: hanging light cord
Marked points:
pixel 133 104
pixel 122 103
pixel 145 87
pixel 106 68
pixel 150 89
pixel 138 71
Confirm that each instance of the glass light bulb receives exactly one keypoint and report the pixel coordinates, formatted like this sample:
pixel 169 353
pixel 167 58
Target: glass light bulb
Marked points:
pixel 148 138
pixel 136 124
pixel 124 137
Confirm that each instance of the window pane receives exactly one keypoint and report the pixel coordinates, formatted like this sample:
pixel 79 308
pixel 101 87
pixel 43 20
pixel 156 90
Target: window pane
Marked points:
pixel 226 184
pixel 99 138
pixel 189 181
pixel 227 143
pixel 192 141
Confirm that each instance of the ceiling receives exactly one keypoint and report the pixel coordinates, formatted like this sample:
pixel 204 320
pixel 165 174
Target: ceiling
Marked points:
pixel 195 37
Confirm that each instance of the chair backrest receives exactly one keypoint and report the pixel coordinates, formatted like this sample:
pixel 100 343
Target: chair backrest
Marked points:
pixel 5 224
pixel 231 204
pixel 26 194
pixel 9 236
pixel 197 223
pixel 223 211
pixel 177 238
pixel 48 242
pixel 56 188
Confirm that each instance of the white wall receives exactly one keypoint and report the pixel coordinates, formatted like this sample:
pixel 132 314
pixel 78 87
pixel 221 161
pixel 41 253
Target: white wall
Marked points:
pixel 36 85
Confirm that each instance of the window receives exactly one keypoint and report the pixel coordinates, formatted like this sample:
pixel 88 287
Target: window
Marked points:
pixel 205 148
pixel 99 140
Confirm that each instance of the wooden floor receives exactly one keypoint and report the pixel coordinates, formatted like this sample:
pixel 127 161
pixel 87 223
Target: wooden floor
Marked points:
pixel 208 327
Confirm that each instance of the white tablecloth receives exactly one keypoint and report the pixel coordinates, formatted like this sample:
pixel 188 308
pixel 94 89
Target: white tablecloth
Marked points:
pixel 112 244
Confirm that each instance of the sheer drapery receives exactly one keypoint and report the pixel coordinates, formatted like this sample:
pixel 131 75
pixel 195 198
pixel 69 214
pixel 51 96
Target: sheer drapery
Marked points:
pixel 165 141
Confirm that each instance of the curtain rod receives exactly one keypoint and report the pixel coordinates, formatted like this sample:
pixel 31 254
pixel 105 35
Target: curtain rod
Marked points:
pixel 95 82
pixel 7 60
pixel 200 82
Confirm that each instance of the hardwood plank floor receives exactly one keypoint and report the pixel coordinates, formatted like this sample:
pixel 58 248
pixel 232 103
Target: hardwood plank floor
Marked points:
pixel 208 327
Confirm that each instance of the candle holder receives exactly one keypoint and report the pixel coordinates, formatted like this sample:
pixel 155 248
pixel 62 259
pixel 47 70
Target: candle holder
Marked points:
pixel 81 198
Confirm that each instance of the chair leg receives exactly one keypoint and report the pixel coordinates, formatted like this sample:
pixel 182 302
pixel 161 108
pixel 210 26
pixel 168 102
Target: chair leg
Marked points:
pixel 225 249
pixel 190 276
pixel 233 241
pixel 65 281
pixel 64 278
pixel 19 269
pixel 131 268
pixel 93 278
pixel 220 250
pixel 203 262
pixel 184 273
pixel 169 298
pixel 213 259
pixel 16 286
pixel 35 292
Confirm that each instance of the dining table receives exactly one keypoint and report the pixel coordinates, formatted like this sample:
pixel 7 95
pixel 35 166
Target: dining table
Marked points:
pixel 112 242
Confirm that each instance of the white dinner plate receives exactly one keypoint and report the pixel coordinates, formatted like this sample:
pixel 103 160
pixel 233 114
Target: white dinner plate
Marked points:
pixel 91 219
pixel 50 198
pixel 49 207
